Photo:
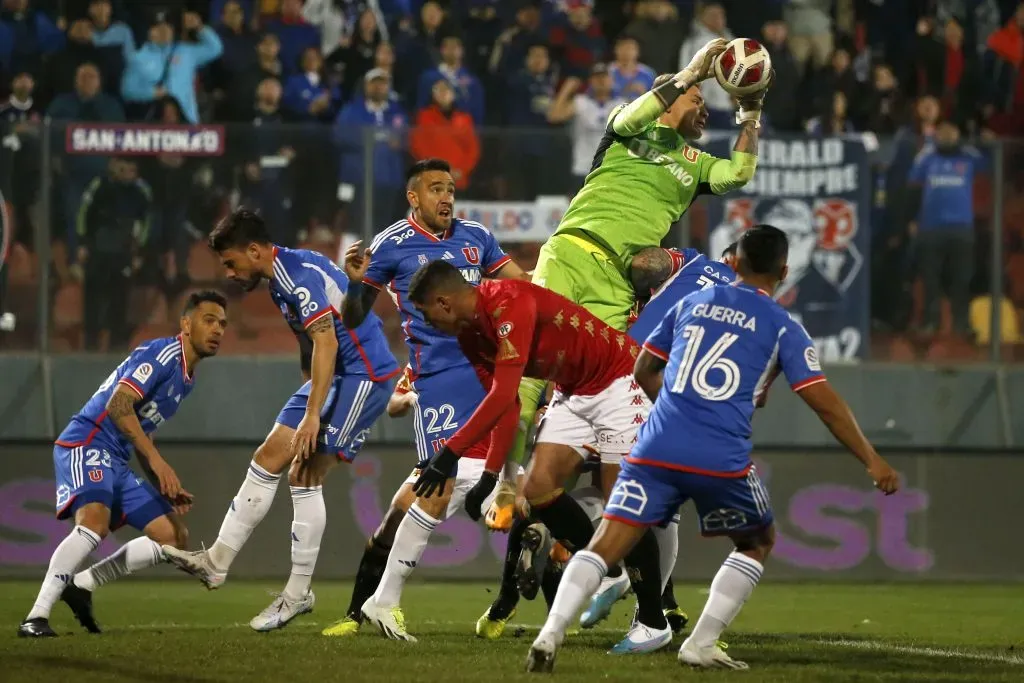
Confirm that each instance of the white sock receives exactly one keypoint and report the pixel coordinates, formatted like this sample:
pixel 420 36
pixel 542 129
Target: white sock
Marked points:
pixel 308 523
pixel 64 562
pixel 410 542
pixel 138 553
pixel 668 549
pixel 581 578
pixel 731 587
pixel 248 508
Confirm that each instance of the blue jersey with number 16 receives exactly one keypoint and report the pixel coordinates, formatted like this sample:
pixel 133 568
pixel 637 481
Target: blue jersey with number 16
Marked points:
pixel 723 346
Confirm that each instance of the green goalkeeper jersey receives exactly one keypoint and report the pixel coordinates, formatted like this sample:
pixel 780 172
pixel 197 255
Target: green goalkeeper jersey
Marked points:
pixel 640 184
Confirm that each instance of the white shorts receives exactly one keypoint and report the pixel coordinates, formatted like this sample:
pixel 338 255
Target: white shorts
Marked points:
pixel 608 421
pixel 470 471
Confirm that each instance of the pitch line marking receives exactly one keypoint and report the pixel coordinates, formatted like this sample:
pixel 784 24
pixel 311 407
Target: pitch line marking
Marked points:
pixel 924 651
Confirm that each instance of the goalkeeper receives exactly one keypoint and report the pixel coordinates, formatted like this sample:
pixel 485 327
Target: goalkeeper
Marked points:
pixel 643 178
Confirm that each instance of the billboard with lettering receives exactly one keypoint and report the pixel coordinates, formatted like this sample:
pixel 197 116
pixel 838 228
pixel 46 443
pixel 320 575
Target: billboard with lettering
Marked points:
pixel 946 523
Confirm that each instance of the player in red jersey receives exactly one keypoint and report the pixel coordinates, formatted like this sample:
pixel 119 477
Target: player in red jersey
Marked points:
pixel 513 329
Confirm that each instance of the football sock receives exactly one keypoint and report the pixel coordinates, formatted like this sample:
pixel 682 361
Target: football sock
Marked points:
pixel 410 542
pixel 668 549
pixel 138 553
pixel 549 581
pixel 508 594
pixel 668 596
pixel 580 579
pixel 642 565
pixel 308 522
pixel 64 562
pixel 371 569
pixel 566 521
pixel 249 507
pixel 731 587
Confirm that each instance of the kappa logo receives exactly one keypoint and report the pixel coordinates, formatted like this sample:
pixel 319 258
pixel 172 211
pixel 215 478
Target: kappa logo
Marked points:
pixel 637 401
pixel 638 419
pixel 143 372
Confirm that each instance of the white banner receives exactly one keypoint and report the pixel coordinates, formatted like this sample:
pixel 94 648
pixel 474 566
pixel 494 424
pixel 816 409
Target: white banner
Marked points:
pixel 516 221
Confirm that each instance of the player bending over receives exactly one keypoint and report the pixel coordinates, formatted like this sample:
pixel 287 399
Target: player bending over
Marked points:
pixel 95 483
pixel 644 177
pixel 705 365
pixel 513 329
pixel 444 382
pixel 669 275
pixel 325 421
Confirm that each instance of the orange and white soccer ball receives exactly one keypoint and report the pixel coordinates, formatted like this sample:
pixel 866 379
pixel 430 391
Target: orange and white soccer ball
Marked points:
pixel 744 68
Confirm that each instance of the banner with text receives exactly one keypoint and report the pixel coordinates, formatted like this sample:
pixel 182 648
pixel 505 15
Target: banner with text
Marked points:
pixel 516 221
pixel 144 139
pixel 818 191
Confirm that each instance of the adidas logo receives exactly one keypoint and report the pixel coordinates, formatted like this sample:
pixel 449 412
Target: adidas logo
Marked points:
pixel 408 563
pixel 448 255
pixel 63 578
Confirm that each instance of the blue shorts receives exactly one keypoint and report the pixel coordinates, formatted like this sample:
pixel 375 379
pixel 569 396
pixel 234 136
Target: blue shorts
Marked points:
pixel 90 474
pixel 353 404
pixel 445 401
pixel 646 495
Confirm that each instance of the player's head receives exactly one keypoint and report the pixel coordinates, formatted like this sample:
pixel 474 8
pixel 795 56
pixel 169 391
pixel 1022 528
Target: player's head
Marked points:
pixel 947 136
pixel 443 296
pixel 688 115
pixel 203 321
pixel 728 256
pixel 243 244
pixel 761 256
pixel 649 268
pixel 430 189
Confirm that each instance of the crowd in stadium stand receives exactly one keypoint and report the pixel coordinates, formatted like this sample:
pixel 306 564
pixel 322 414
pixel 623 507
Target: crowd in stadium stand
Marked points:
pixel 455 71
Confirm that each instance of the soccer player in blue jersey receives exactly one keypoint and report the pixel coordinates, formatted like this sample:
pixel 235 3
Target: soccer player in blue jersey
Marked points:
pixel 95 484
pixel 325 421
pixel 447 386
pixel 706 366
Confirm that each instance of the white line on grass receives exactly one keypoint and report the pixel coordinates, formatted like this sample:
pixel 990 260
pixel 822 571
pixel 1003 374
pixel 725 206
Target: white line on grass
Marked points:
pixel 924 651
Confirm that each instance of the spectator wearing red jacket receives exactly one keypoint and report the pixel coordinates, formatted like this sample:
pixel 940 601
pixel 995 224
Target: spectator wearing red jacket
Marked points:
pixel 445 132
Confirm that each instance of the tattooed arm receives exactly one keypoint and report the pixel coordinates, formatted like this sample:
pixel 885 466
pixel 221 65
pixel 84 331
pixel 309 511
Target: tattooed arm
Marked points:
pixel 121 410
pixel 321 369
pixel 359 302
pixel 730 174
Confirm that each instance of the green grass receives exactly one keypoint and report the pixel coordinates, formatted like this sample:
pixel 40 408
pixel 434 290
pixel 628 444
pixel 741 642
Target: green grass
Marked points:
pixel 177 632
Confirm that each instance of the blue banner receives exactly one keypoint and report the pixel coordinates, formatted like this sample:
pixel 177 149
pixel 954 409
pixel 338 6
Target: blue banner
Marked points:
pixel 818 191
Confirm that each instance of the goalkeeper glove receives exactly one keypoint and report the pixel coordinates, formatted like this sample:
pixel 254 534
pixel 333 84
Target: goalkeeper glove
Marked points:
pixel 749 107
pixel 436 473
pixel 701 66
pixel 478 494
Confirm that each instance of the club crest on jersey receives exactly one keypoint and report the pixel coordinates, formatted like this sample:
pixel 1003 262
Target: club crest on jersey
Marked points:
pixel 422 258
pixel 472 255
pixel 504 330
pixel 143 372
pixel 96 476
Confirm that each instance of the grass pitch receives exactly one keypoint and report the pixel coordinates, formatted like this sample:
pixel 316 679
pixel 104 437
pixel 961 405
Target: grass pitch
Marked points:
pixel 176 632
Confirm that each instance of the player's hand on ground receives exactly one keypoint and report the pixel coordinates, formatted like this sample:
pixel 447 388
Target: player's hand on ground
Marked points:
pixel 170 485
pixel 435 474
pixel 306 435
pixel 357 261
pixel 884 476
pixel 478 494
pixel 701 66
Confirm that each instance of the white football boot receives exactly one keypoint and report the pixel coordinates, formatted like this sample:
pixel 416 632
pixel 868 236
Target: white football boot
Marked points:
pixel 281 611
pixel 390 620
pixel 541 658
pixel 707 657
pixel 197 563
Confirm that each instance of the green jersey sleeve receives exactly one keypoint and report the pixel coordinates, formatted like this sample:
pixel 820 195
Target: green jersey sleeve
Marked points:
pixel 725 175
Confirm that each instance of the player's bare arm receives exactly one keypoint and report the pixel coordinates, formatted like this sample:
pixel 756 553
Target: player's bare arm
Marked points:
pixel 512 271
pixel 399 405
pixel 747 140
pixel 359 299
pixel 325 350
pixel 649 373
pixel 121 410
pixel 837 416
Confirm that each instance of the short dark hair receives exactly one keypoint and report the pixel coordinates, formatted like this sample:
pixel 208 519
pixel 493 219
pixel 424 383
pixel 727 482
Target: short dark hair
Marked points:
pixel 196 298
pixel 239 229
pixel 424 165
pixel 763 250
pixel 649 268
pixel 434 276
pixel 730 250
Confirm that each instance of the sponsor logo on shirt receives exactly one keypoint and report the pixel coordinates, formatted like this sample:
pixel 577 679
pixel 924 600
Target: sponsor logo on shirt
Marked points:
pixel 811 358
pixel 143 372
pixel 504 330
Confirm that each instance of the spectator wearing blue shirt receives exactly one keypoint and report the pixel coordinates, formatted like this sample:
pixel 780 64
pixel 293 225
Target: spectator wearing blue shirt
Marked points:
pixel 294 33
pixel 469 93
pixel 163 66
pixel 30 35
pixel 630 78
pixel 307 95
pixel 375 110
pixel 538 147
pixel 943 174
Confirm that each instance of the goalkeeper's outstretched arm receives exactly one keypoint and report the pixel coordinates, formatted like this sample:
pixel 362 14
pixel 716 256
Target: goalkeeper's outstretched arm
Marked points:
pixel 736 171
